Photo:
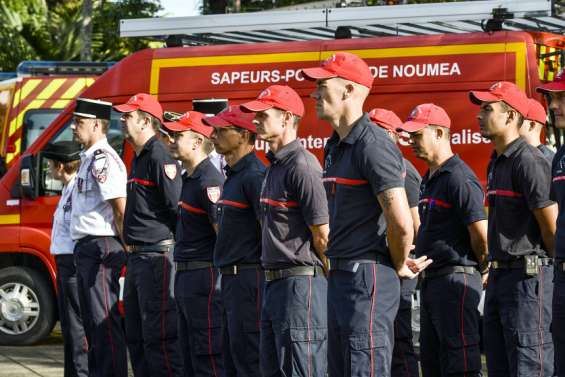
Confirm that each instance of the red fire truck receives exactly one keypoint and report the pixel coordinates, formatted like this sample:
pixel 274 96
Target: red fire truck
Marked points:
pixel 441 65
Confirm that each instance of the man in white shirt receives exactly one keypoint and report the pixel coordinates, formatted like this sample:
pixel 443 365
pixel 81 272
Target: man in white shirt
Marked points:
pixel 99 200
pixel 64 160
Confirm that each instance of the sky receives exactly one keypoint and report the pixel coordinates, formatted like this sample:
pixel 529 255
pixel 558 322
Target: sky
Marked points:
pixel 180 8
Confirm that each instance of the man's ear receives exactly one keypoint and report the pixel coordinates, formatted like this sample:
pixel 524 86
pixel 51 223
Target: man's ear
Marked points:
pixel 349 88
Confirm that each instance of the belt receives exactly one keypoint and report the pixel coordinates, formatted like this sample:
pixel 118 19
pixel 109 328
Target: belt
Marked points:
pixel 234 269
pixel 194 265
pixel 159 247
pixel 517 263
pixel 353 264
pixel 442 271
pixel 271 275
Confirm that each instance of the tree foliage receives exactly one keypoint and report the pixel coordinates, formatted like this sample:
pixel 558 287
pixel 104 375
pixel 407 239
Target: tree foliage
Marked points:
pixel 51 29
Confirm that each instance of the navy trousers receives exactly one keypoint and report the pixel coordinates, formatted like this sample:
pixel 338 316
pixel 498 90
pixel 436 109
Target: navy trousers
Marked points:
pixel 294 327
pixel 517 321
pixel 241 299
pixel 99 261
pixel 558 326
pixel 75 343
pixel 404 357
pixel 199 311
pixel 151 316
pixel 449 323
pixel 362 305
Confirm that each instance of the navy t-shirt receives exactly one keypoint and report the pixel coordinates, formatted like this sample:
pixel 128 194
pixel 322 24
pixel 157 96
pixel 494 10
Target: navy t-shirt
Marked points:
pixel 292 199
pixel 359 167
pixel 558 194
pixel 450 200
pixel 239 229
pixel 412 183
pixel 518 182
pixel 197 211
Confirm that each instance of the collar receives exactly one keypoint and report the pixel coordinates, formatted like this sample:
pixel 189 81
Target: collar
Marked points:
pixel 284 152
pixel 357 129
pixel 100 144
pixel 201 168
pixel 241 164
pixel 149 144
pixel 514 147
pixel 448 165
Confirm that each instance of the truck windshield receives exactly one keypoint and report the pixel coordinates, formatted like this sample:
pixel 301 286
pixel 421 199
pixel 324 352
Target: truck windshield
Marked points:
pixel 35 122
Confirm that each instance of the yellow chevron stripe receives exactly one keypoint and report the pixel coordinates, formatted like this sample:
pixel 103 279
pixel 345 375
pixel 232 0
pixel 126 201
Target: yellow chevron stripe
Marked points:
pixel 51 89
pixel 90 81
pixel 10 219
pixel 25 90
pixel 17 147
pixel 60 103
pixel 541 63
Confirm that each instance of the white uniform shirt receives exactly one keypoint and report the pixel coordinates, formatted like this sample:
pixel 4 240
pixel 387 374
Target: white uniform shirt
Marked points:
pixel 61 241
pixel 102 176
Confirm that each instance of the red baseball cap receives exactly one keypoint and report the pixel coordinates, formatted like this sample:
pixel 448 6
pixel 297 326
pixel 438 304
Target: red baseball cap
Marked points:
pixel 144 102
pixel 557 85
pixel 278 96
pixel 345 65
pixel 425 115
pixel 503 91
pixel 191 120
pixel 232 116
pixel 386 119
pixel 536 112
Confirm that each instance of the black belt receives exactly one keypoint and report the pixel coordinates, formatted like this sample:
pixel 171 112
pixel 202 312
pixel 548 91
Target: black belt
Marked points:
pixel 446 270
pixel 234 269
pixel 159 247
pixel 194 265
pixel 353 264
pixel 517 263
pixel 271 275
pixel 91 238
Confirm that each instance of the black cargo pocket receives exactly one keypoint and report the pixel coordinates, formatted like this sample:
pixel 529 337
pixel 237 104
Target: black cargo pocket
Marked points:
pixel 366 352
pixel 251 334
pixel 309 351
pixel 160 320
pixel 530 345
pixel 206 340
pixel 463 354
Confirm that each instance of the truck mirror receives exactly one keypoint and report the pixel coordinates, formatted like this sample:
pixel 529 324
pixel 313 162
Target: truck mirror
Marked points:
pixel 29 187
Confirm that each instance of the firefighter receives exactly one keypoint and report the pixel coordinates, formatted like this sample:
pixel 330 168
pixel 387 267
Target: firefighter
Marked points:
pixel 196 281
pixel 98 203
pixel 294 236
pixel 555 94
pixel 404 357
pixel 453 232
pixel 150 218
pixel 238 245
pixel 64 160
pixel 521 233
pixel 364 178
pixel 534 123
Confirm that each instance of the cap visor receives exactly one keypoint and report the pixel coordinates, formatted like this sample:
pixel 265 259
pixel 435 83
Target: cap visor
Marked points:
pixel 317 73
pixel 175 126
pixel 255 106
pixel 125 108
pixel 479 97
pixel 551 87
pixel 411 126
pixel 216 121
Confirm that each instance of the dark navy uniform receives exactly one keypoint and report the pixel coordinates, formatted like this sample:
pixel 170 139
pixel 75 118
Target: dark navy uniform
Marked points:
pixel 558 326
pixel 404 357
pixel 150 217
pixel 237 254
pixel 293 320
pixel 517 313
pixel 363 286
pixel 547 153
pixel 99 257
pixel 450 200
pixel 196 281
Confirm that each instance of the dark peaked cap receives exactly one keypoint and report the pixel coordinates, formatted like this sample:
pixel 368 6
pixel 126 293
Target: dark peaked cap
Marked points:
pixel 62 151
pixel 93 109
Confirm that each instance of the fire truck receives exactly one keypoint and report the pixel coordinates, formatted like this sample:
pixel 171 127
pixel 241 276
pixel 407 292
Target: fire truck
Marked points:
pixel 417 53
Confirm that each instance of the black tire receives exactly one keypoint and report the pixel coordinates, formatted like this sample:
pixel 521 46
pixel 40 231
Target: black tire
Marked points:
pixel 25 327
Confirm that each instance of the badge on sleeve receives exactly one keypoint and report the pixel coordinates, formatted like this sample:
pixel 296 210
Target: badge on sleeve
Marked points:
pixel 213 193
pixel 170 170
pixel 100 166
